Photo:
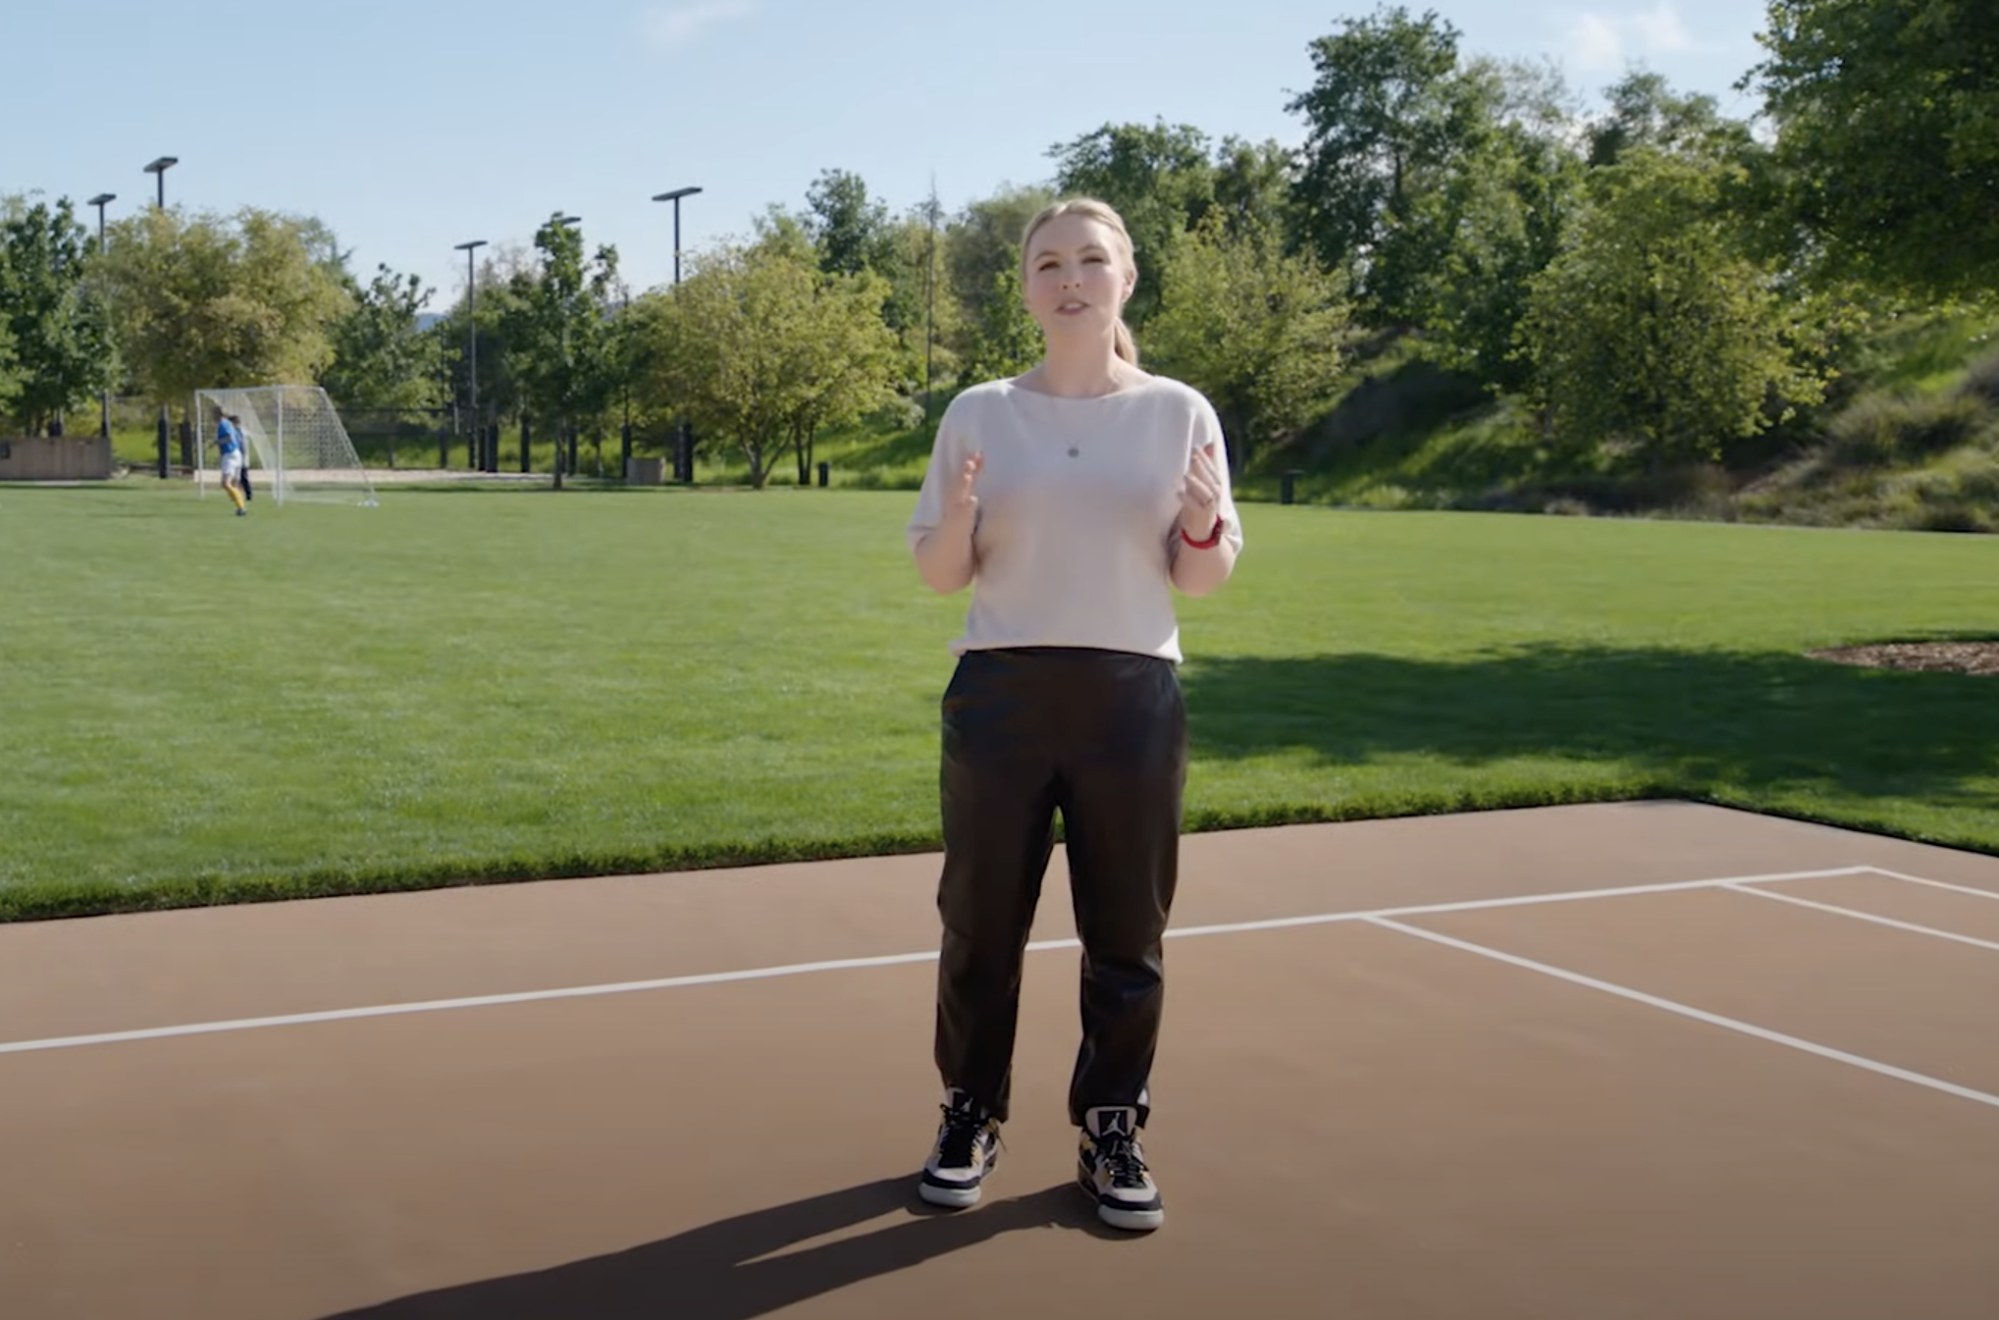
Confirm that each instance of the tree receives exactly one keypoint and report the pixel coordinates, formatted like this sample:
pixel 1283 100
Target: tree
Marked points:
pixel 1258 330
pixel 1499 212
pixel 1253 185
pixel 1004 339
pixel 498 312
pixel 1388 115
pixel 558 337
pixel 203 301
pixel 53 326
pixel 848 227
pixel 982 258
pixel 919 310
pixel 381 356
pixel 1645 112
pixel 1157 177
pixel 764 347
pixel 10 373
pixel 1653 329
pixel 842 363
pixel 1887 135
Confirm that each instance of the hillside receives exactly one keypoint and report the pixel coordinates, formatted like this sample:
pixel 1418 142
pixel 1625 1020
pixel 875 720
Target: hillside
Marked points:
pixel 1908 439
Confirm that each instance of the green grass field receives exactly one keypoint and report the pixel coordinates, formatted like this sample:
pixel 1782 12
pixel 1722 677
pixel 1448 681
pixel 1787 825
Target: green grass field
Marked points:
pixel 463 685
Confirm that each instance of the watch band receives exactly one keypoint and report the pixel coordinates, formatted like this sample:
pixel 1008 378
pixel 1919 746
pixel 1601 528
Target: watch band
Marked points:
pixel 1214 536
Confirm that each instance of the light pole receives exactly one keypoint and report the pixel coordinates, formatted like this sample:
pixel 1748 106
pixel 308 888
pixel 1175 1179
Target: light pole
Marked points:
pixel 472 336
pixel 159 169
pixel 683 461
pixel 565 437
pixel 100 201
pixel 675 197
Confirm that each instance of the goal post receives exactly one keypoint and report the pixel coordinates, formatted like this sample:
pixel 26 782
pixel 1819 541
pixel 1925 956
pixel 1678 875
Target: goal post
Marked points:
pixel 297 448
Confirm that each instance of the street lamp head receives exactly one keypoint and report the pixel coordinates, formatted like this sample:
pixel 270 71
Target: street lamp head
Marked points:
pixel 162 164
pixel 101 199
pixel 676 194
pixel 569 219
pixel 467 247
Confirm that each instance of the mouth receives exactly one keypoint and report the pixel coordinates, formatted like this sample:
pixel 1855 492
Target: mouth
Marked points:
pixel 1071 308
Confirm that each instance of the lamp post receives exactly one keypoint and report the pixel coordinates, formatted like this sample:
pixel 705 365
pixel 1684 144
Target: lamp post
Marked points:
pixel 683 461
pixel 675 197
pixel 472 336
pixel 100 201
pixel 159 170
pixel 565 438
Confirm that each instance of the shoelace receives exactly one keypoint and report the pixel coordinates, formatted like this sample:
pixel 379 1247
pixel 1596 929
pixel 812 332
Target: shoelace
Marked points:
pixel 1121 1155
pixel 961 1129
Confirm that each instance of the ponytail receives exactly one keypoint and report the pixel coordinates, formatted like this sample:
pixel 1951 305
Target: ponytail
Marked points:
pixel 1127 347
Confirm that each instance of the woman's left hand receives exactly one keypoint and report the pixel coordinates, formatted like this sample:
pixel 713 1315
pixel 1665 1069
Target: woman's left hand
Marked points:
pixel 1201 494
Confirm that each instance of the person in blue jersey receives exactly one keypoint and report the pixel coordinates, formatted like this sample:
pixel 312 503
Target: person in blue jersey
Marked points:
pixel 235 459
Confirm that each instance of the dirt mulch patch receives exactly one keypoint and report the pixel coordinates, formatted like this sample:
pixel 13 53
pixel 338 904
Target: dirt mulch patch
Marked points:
pixel 1980 658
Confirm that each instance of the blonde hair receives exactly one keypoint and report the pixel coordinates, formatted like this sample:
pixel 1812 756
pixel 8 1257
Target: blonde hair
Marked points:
pixel 1105 215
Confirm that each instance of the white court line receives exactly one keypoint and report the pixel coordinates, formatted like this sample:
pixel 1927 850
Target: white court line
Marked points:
pixel 1866 916
pixel 1519 900
pixel 1933 884
pixel 1698 1015
pixel 444 1005
pixel 851 964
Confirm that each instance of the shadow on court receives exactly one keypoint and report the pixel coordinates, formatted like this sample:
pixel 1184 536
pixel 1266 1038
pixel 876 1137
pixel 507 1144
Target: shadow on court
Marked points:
pixel 727 1270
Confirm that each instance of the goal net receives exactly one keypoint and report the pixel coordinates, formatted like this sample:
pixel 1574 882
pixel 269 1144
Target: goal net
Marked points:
pixel 297 448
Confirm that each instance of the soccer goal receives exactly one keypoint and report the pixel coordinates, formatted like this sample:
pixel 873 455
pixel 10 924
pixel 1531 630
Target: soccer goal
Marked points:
pixel 298 449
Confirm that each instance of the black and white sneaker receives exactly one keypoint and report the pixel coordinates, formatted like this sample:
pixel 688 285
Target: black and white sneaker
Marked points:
pixel 967 1149
pixel 1110 1167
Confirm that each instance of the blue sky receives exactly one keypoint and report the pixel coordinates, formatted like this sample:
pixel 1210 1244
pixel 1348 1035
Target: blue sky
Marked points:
pixel 413 125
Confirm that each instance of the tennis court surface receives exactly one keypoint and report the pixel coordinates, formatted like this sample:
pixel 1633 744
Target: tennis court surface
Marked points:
pixel 1632 1062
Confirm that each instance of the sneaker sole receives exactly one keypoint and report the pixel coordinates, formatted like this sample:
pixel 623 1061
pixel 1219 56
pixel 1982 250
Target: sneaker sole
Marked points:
pixel 955 1197
pixel 1131 1218
pixel 1132 1221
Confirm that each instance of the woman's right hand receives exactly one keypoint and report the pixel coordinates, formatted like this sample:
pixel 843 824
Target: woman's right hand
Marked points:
pixel 947 557
pixel 963 504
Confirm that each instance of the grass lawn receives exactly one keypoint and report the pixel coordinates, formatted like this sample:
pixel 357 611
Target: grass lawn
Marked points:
pixel 463 685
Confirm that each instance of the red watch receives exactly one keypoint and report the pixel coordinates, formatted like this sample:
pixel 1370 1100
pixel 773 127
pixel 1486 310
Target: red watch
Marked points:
pixel 1214 536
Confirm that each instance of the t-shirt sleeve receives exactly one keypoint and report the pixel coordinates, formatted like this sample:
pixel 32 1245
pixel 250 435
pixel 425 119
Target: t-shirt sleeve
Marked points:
pixel 1207 430
pixel 947 455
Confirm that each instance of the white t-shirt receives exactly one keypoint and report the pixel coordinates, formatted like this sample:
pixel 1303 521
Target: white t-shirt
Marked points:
pixel 1079 509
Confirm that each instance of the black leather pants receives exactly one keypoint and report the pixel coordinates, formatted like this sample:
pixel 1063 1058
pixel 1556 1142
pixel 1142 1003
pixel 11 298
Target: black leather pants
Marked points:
pixel 1100 736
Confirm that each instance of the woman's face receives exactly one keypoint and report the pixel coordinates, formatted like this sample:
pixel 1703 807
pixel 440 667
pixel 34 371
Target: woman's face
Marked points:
pixel 1077 277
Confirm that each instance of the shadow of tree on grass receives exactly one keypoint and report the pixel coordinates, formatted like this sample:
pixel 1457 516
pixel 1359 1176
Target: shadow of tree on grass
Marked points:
pixel 1753 720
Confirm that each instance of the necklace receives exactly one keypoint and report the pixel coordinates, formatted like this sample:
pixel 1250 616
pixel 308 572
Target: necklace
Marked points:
pixel 1118 386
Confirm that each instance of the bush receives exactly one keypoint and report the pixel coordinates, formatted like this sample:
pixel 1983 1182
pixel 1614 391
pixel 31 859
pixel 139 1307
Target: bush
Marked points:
pixel 1884 429
pixel 1981 380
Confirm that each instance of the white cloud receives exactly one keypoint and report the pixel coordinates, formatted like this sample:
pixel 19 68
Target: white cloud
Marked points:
pixel 675 28
pixel 1609 41
pixel 1594 44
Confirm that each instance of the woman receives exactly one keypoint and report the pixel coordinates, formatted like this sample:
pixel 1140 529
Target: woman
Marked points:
pixel 1074 500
